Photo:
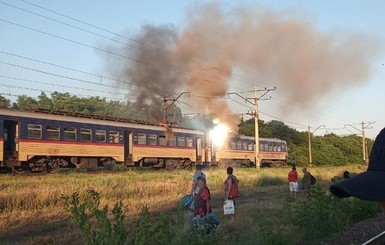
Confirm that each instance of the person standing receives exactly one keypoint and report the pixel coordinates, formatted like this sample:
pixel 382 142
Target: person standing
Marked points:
pixel 306 182
pixel 195 187
pixel 228 186
pixel 293 182
pixel 203 199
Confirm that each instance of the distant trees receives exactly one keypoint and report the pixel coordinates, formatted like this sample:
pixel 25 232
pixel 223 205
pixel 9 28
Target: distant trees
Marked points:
pixel 329 149
pixel 4 102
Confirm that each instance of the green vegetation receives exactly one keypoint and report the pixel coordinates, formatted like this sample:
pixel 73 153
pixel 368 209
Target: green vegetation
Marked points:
pixel 329 149
pixel 140 207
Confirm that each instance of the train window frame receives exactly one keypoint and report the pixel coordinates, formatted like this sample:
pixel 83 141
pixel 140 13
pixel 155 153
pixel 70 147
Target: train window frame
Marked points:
pixel 85 134
pixel 162 140
pixel 181 141
pixel 239 145
pixel 100 135
pixel 34 131
pixel 172 140
pixel 69 131
pixel 189 142
pixel 52 130
pixel 233 145
pixel 113 136
pixel 250 146
pixel 142 138
pixel 244 146
pixel 152 139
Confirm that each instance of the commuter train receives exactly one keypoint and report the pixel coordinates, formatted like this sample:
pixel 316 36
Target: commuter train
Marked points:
pixel 45 140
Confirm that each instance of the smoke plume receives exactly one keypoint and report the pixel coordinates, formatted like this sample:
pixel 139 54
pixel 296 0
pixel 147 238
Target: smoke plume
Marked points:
pixel 202 57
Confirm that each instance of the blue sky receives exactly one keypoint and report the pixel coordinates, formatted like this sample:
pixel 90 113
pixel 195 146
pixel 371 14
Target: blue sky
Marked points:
pixel 349 105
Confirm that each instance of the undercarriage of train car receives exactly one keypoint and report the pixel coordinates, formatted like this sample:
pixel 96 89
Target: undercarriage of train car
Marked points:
pixel 168 163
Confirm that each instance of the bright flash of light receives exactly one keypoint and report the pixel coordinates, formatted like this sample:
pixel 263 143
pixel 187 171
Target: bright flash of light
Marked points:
pixel 219 134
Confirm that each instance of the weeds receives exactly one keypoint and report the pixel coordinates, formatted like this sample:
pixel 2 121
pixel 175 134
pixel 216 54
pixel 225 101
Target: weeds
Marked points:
pixel 93 221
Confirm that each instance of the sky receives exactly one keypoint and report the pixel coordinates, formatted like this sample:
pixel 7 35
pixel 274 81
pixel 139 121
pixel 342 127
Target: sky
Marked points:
pixel 61 46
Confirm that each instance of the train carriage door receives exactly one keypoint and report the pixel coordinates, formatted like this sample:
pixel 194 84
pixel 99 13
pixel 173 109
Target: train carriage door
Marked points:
pixel 199 150
pixel 128 140
pixel 11 140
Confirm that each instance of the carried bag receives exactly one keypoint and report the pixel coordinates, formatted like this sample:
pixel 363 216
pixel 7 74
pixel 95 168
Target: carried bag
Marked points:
pixel 228 207
pixel 188 202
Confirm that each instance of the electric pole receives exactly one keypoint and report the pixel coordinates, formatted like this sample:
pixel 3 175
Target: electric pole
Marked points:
pixel 254 101
pixel 167 103
pixel 309 134
pixel 364 125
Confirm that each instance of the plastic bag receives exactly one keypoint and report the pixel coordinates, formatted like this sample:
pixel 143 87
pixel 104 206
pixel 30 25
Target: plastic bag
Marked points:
pixel 188 202
pixel 228 207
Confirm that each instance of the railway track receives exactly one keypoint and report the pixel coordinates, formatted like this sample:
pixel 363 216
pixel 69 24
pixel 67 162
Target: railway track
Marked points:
pixel 379 239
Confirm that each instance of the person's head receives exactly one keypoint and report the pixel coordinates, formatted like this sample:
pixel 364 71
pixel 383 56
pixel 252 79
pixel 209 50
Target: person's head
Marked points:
pixel 304 170
pixel 201 181
pixel 293 168
pixel 229 170
pixel 346 175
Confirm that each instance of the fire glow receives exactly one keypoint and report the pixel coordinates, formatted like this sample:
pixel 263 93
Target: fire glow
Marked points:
pixel 219 134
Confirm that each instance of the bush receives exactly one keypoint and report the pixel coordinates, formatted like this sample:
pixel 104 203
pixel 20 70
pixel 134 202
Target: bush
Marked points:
pixel 94 222
pixel 97 228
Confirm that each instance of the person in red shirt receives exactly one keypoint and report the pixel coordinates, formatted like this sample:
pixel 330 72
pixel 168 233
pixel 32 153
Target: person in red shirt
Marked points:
pixel 203 202
pixel 293 181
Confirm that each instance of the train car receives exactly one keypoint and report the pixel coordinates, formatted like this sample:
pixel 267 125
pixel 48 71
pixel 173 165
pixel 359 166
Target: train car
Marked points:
pixel 38 141
pixel 239 151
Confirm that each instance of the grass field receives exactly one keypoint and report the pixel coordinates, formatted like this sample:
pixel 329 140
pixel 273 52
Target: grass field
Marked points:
pixel 32 210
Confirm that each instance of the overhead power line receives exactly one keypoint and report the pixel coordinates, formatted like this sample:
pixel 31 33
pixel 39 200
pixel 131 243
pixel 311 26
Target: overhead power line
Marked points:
pixel 240 77
pixel 106 51
pixel 63 86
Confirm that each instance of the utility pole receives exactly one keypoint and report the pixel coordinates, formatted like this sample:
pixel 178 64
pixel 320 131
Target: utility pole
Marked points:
pixel 364 125
pixel 166 106
pixel 254 102
pixel 309 134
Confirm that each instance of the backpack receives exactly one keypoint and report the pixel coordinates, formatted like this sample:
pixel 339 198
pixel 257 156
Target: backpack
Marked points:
pixel 312 180
pixel 234 191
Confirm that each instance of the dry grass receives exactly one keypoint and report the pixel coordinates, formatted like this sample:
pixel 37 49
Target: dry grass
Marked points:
pixel 31 209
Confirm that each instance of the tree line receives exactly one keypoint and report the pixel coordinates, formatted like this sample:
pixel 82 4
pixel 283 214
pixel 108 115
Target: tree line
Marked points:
pixel 329 149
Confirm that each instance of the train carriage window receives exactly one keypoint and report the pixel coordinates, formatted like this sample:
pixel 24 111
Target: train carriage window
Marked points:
pixel 100 135
pixel 141 139
pixel 233 145
pixel 278 148
pixel 162 140
pixel 239 145
pixel 172 141
pixel 181 141
pixel 85 134
pixel 69 134
pixel 53 132
pixel 250 147
pixel 189 142
pixel 153 139
pixel 270 147
pixel 244 146
pixel 34 131
pixel 113 137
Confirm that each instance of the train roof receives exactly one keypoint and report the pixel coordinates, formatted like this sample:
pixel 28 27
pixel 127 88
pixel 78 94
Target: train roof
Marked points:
pixel 93 119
